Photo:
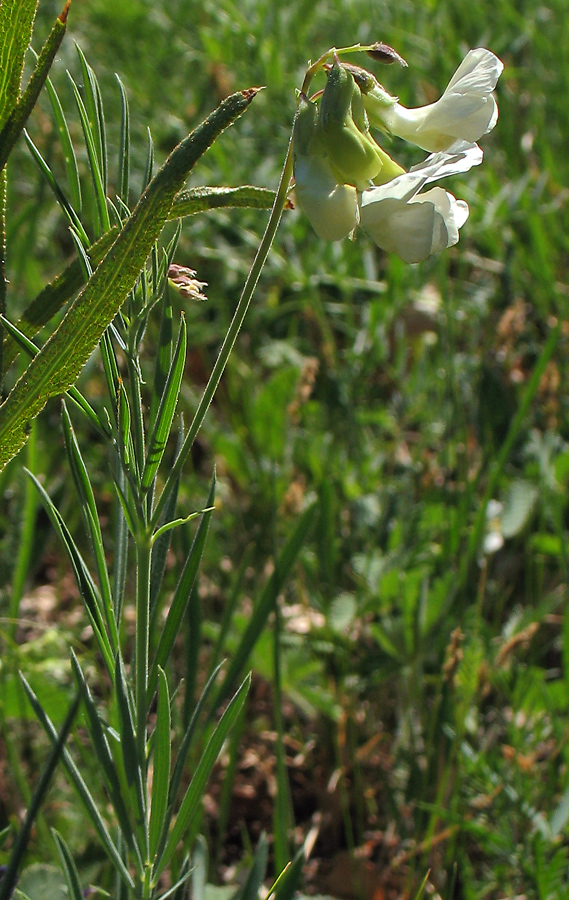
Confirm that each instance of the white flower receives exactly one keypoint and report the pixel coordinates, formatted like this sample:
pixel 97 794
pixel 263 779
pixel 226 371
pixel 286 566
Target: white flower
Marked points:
pixel 401 220
pixel 466 111
pixel 395 215
pixel 332 208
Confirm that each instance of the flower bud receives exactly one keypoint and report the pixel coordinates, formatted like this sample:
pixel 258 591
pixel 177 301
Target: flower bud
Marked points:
pixel 184 281
pixel 383 53
pixel 352 152
pixel 331 207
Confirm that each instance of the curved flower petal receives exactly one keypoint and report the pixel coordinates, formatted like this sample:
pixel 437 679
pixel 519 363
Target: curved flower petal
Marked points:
pixel 466 111
pixel 332 208
pixel 414 229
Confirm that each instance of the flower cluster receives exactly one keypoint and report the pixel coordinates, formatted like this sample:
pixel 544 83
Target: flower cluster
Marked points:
pixel 344 178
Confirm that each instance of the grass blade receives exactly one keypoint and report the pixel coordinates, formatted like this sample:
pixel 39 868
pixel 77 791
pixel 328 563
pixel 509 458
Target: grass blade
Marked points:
pixel 67 148
pixel 57 189
pixel 87 588
pixel 161 778
pixel 257 872
pixel 74 891
pixel 166 410
pixel 191 804
pixel 81 789
pixel 104 755
pixel 9 879
pixel 92 140
pixel 123 179
pixel 91 520
pixel 181 597
pixel 96 118
pixel 266 602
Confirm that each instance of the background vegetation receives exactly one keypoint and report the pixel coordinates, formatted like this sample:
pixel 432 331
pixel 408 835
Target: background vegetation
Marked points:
pixel 422 639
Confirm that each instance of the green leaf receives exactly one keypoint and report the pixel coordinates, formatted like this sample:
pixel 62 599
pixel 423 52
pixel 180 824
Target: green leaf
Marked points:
pixel 92 140
pixel 91 519
pixel 67 148
pixel 81 789
pixel 41 882
pixel 123 179
pixel 191 804
pixel 187 743
pixel 10 875
pixel 19 115
pixel 74 891
pixel 288 882
pixel 105 758
pixel 266 601
pixel 257 872
pixel 166 410
pixel 16 25
pixel 57 189
pixel 90 594
pixel 200 199
pixel 96 117
pixel 181 596
pixel 67 283
pixel 62 357
pixel 161 777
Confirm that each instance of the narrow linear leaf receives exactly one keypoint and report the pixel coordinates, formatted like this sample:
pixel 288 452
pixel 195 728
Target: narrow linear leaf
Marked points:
pixel 91 520
pixel 201 199
pixel 9 878
pixel 123 179
pixel 73 393
pixel 181 597
pixel 61 359
pixel 166 410
pixel 181 758
pixel 16 26
pixel 175 889
pixel 161 776
pixel 81 789
pixel 105 758
pixel 257 872
pixel 20 113
pixel 191 803
pixel 87 588
pixel 67 148
pixel 127 732
pixel 55 295
pixel 95 117
pixel 93 155
pixel 74 890
pixel 288 882
pixel 57 189
pixel 265 604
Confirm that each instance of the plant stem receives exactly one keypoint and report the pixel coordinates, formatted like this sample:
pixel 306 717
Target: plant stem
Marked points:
pixel 143 565
pixel 233 331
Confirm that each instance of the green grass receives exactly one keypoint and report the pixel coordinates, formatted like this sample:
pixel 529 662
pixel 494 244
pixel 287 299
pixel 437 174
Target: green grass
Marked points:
pixel 432 675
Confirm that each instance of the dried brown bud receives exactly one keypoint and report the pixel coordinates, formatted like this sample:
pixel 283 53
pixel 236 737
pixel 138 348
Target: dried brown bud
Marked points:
pixel 383 53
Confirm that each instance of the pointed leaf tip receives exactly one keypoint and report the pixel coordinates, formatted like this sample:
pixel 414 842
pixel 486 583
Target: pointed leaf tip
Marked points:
pixel 64 12
pixel 250 93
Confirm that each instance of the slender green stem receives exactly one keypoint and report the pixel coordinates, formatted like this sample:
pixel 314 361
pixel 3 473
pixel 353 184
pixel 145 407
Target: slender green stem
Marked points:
pixel 246 295
pixel 233 331
pixel 143 565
